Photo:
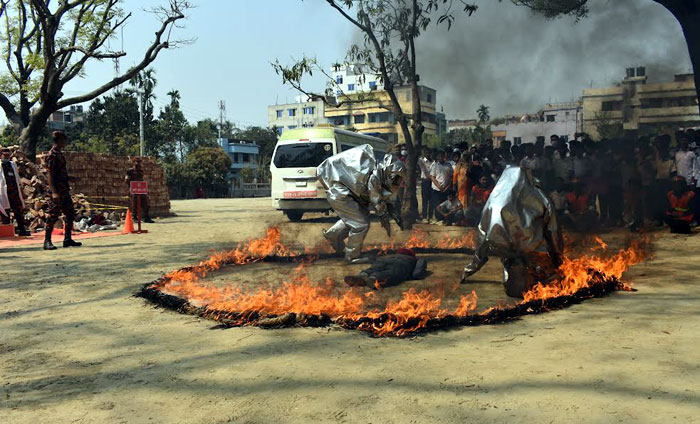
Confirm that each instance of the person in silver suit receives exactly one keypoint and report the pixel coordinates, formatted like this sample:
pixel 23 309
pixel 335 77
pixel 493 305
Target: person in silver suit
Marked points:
pixel 355 184
pixel 518 222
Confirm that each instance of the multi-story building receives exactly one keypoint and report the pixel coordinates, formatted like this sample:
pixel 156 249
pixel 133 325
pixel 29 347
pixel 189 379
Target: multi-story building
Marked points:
pixel 243 154
pixel 352 79
pixel 562 119
pixel 373 118
pixel 61 119
pixel 639 107
pixel 461 124
pixel 302 113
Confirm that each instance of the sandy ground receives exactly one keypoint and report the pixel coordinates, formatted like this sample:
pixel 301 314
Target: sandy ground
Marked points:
pixel 76 347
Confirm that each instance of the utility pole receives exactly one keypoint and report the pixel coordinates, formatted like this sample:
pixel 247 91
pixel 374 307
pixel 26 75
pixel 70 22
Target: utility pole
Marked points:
pixel 141 131
pixel 222 115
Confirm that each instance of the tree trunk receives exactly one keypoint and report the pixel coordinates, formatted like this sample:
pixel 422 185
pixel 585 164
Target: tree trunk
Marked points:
pixel 687 12
pixel 691 29
pixel 30 134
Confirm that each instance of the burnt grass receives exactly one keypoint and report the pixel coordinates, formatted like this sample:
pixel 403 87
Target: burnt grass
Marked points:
pixel 599 287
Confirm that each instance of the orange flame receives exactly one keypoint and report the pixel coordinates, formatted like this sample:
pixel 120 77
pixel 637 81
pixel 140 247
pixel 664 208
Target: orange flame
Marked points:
pixel 413 311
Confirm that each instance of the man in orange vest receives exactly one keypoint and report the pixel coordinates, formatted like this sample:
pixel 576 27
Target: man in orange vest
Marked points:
pixel 579 212
pixel 681 203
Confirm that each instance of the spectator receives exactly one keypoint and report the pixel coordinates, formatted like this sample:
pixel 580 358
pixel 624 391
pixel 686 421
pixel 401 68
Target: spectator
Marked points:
pixel 562 165
pixel 441 177
pixel 685 160
pixel 480 194
pixel 681 202
pixel 11 194
pixel 426 191
pixel 580 213
pixel 460 180
pixel 450 211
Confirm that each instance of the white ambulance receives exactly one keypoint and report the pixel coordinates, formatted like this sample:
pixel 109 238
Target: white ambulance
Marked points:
pixel 295 189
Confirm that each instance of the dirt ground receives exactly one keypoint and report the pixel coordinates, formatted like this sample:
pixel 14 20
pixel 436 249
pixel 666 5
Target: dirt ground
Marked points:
pixel 76 347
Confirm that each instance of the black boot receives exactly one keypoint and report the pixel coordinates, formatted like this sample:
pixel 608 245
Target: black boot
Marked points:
pixel 67 240
pixel 22 231
pixel 47 239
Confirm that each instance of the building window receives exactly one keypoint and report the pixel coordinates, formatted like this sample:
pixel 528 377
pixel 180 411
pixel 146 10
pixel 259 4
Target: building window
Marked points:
pixel 292 112
pixel 351 87
pixel 309 110
pixel 517 141
pixel 373 85
pixel 611 105
pixel 381 117
pixel 279 113
pixel 339 79
pixel 235 158
pixel 359 119
pixel 430 97
pixel 339 93
pixel 550 118
pixel 291 127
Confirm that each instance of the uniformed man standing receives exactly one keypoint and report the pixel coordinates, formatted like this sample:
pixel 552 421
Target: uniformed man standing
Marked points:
pixel 135 173
pixel 11 194
pixel 60 193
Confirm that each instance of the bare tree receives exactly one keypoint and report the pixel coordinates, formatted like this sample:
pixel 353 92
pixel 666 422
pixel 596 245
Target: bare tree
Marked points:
pixel 686 12
pixel 47 44
pixel 390 29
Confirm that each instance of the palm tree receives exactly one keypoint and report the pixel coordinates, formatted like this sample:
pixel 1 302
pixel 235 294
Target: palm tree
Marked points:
pixel 145 82
pixel 483 114
pixel 174 98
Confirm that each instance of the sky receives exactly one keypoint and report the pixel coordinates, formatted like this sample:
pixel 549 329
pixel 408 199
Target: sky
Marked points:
pixel 503 56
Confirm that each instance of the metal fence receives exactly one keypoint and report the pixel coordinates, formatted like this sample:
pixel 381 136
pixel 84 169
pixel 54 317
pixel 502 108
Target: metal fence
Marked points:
pixel 251 190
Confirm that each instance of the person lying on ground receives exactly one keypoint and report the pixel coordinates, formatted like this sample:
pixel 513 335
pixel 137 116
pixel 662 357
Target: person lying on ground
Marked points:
pixel 390 270
pixel 450 211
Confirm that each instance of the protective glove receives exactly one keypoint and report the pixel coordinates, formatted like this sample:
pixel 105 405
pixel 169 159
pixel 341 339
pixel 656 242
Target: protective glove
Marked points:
pixel 384 220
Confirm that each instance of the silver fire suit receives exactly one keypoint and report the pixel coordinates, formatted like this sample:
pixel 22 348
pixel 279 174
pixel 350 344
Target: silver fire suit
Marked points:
pixel 355 184
pixel 518 220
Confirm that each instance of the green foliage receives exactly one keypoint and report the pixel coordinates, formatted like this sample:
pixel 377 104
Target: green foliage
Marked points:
pixel 472 136
pixel 483 113
pixel 205 167
pixel 433 141
pixel 554 8
pixel 606 126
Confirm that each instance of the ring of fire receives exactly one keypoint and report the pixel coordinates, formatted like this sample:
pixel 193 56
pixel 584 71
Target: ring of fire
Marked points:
pixel 302 302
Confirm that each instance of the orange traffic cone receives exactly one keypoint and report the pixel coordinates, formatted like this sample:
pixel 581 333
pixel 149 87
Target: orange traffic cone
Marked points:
pixel 128 223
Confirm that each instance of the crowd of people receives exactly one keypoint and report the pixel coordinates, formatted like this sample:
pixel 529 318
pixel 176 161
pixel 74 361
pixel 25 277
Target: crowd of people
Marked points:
pixel 635 183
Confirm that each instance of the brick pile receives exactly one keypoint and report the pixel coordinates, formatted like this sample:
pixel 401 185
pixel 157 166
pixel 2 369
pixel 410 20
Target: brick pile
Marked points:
pixel 101 183
pixel 102 180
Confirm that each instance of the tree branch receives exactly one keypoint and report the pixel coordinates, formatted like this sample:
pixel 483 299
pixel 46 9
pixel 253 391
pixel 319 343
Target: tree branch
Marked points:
pixel 149 57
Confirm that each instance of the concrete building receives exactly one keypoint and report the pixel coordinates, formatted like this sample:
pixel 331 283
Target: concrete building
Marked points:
pixel 61 119
pixel 368 117
pixel 461 124
pixel 243 154
pixel 562 119
pixel 637 107
pixel 302 113
pixel 352 79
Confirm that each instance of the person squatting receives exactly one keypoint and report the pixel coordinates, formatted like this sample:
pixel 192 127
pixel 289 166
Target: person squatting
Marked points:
pixel 356 183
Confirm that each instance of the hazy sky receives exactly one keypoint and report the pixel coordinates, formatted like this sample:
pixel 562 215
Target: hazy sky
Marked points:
pixel 503 56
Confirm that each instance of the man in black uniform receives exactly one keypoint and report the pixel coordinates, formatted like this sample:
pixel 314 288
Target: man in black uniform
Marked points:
pixel 60 193
pixel 10 194
pixel 136 174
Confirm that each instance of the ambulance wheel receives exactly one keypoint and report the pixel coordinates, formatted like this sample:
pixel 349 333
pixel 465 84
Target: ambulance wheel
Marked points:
pixel 294 216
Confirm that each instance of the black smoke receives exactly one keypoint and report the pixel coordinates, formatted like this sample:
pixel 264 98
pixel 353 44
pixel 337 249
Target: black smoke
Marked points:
pixel 506 57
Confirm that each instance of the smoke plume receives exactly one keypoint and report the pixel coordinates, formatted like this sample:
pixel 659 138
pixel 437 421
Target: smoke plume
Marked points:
pixel 506 57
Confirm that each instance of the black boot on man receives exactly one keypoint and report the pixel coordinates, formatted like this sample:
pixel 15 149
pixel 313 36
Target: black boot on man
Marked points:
pixel 67 239
pixel 47 239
